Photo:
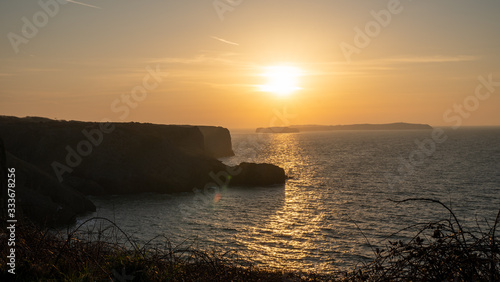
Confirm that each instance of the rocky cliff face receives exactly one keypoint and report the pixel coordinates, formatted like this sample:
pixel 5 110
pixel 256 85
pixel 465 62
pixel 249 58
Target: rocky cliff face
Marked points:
pixel 40 196
pixel 119 158
pixel 217 141
pixel 112 158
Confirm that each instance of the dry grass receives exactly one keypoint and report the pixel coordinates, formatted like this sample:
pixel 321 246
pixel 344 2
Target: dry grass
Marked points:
pixel 439 251
pixel 44 254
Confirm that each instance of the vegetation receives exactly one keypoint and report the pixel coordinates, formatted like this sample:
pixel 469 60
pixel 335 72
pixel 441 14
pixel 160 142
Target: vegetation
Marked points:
pixel 46 255
pixel 439 251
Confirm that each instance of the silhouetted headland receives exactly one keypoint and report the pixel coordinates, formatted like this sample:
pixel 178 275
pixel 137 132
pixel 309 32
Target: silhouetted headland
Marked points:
pixel 276 129
pixel 304 128
pixel 58 162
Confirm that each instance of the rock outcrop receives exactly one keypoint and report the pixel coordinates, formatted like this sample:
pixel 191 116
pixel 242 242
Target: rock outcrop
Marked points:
pixel 41 197
pixel 117 158
pixel 251 174
pixel 217 141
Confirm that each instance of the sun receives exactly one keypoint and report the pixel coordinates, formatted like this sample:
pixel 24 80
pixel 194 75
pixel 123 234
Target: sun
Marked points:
pixel 281 80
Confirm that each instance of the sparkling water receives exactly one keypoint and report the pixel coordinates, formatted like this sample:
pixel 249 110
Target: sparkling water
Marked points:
pixel 336 203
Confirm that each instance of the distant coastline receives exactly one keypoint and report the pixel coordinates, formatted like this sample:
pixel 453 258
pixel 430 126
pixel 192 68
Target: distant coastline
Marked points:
pixel 306 128
pixel 277 130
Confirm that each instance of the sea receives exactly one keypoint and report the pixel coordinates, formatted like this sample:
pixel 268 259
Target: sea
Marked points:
pixel 337 206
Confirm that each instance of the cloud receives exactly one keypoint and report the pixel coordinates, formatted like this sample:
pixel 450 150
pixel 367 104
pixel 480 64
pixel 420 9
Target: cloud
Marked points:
pixel 433 59
pixel 83 4
pixel 201 59
pixel 389 64
pixel 224 40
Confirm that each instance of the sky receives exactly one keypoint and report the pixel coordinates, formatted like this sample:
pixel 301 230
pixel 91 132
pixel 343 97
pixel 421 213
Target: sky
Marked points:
pixel 204 62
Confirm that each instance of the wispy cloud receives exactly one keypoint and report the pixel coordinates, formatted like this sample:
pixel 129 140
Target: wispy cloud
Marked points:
pixel 433 59
pixel 84 4
pixel 224 40
pixel 206 59
pixel 388 63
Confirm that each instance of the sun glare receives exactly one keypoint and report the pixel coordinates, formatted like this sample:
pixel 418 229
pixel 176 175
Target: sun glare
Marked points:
pixel 281 80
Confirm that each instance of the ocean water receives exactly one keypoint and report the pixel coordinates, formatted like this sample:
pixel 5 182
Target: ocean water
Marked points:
pixel 336 201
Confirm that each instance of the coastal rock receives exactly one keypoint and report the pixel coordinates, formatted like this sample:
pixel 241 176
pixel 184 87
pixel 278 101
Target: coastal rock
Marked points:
pixel 60 161
pixel 42 198
pixel 124 158
pixel 117 158
pixel 217 141
pixel 20 133
pixel 252 174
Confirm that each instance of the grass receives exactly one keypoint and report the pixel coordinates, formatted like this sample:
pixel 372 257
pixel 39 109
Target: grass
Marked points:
pixel 43 254
pixel 438 251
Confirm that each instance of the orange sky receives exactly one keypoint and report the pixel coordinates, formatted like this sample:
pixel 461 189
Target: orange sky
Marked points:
pixel 419 61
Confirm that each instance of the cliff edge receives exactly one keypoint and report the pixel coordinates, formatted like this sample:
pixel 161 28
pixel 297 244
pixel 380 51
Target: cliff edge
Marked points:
pixel 217 141
pixel 120 158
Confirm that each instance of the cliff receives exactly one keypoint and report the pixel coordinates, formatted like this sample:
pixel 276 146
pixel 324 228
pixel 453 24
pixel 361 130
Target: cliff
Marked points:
pixel 121 158
pixel 114 158
pixel 40 196
pixel 217 141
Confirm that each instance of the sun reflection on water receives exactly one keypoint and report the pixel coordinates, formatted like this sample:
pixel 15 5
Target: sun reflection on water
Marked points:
pixel 286 238
pixel 334 203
